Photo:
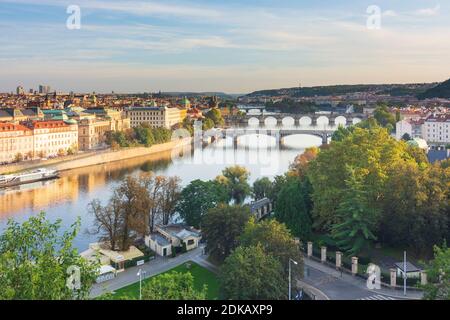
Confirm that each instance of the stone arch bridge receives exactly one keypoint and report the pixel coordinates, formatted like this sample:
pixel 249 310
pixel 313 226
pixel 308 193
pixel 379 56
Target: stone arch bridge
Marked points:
pixel 278 133
pixel 295 119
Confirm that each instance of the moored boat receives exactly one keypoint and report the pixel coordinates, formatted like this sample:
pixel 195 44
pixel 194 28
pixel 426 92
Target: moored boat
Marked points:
pixel 27 177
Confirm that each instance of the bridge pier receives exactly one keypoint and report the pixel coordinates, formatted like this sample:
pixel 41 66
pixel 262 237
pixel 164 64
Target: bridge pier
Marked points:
pixel 324 139
pixel 235 142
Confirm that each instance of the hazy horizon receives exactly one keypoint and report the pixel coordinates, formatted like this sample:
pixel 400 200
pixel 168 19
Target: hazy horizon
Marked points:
pixel 221 91
pixel 215 46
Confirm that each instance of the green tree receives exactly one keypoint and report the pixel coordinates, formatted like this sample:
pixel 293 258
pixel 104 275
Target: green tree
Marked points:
pixel 415 207
pixel 36 260
pixel 235 179
pixel 216 116
pixel 144 135
pixel 172 286
pixel 249 273
pixel 371 152
pixel 208 124
pixel 278 183
pixel 197 198
pixel 188 124
pixel 384 117
pixel 293 207
pixel 276 240
pixel 262 188
pixel 438 270
pixel 222 227
pixel 358 218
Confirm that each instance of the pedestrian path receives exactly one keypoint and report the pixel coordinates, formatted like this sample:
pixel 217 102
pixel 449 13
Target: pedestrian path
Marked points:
pixel 377 297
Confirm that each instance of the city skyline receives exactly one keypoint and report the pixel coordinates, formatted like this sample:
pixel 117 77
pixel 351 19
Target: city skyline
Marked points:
pixel 142 46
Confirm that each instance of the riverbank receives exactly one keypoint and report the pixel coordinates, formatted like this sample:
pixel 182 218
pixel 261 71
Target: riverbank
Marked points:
pixel 95 158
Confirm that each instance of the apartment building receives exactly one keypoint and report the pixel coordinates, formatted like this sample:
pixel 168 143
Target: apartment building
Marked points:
pixel 156 117
pixel 436 128
pixel 52 138
pixel 16 140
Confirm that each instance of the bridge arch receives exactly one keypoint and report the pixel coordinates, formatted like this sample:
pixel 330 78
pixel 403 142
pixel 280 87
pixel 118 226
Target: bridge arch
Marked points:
pixel 341 120
pixel 288 122
pixel 270 122
pixel 305 121
pixel 253 122
pixel 323 120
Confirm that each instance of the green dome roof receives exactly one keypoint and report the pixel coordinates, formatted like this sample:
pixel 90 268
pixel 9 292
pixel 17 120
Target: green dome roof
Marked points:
pixel 71 121
pixel 185 102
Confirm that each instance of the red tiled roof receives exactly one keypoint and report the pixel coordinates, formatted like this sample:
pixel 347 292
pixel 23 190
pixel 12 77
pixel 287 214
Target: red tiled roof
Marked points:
pixel 48 124
pixel 6 126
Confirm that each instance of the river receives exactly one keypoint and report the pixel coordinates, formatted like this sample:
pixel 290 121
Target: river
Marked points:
pixel 67 198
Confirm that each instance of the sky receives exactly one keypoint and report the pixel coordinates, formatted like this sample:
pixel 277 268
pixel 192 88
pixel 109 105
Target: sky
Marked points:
pixel 229 46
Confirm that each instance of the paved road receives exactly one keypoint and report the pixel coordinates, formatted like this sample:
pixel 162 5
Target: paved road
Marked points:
pixel 324 281
pixel 153 267
pixel 337 286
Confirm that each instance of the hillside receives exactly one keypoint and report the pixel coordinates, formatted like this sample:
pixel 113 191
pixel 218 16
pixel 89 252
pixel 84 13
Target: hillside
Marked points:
pixel 391 89
pixel 440 91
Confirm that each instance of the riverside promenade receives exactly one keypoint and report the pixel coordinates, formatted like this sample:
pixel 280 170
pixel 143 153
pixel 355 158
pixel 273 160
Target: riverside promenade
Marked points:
pixel 92 158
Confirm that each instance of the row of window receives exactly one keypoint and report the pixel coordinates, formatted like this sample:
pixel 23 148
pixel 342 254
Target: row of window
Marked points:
pixel 54 143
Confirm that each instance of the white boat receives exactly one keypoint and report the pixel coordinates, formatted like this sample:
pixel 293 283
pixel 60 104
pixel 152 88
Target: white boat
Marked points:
pixel 27 177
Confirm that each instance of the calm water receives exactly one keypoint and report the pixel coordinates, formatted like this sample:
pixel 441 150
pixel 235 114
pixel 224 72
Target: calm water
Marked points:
pixel 67 198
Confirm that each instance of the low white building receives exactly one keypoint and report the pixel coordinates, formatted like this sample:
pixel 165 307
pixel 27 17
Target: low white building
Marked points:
pixel 436 128
pixel 171 236
pixel 412 127
pixel 101 253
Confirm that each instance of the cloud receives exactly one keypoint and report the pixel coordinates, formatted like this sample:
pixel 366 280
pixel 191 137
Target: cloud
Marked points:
pixel 131 7
pixel 428 12
pixel 389 13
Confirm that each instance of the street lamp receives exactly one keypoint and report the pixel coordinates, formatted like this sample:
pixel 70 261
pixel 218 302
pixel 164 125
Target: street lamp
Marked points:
pixel 139 274
pixel 405 275
pixel 296 263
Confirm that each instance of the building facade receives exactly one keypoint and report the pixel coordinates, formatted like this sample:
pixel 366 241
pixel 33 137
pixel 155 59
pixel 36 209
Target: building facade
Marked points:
pixel 436 128
pixel 16 142
pixel 53 138
pixel 156 117
pixel 92 133
pixel 92 128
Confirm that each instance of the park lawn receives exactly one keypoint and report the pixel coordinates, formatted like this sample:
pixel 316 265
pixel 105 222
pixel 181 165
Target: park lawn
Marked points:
pixel 201 276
